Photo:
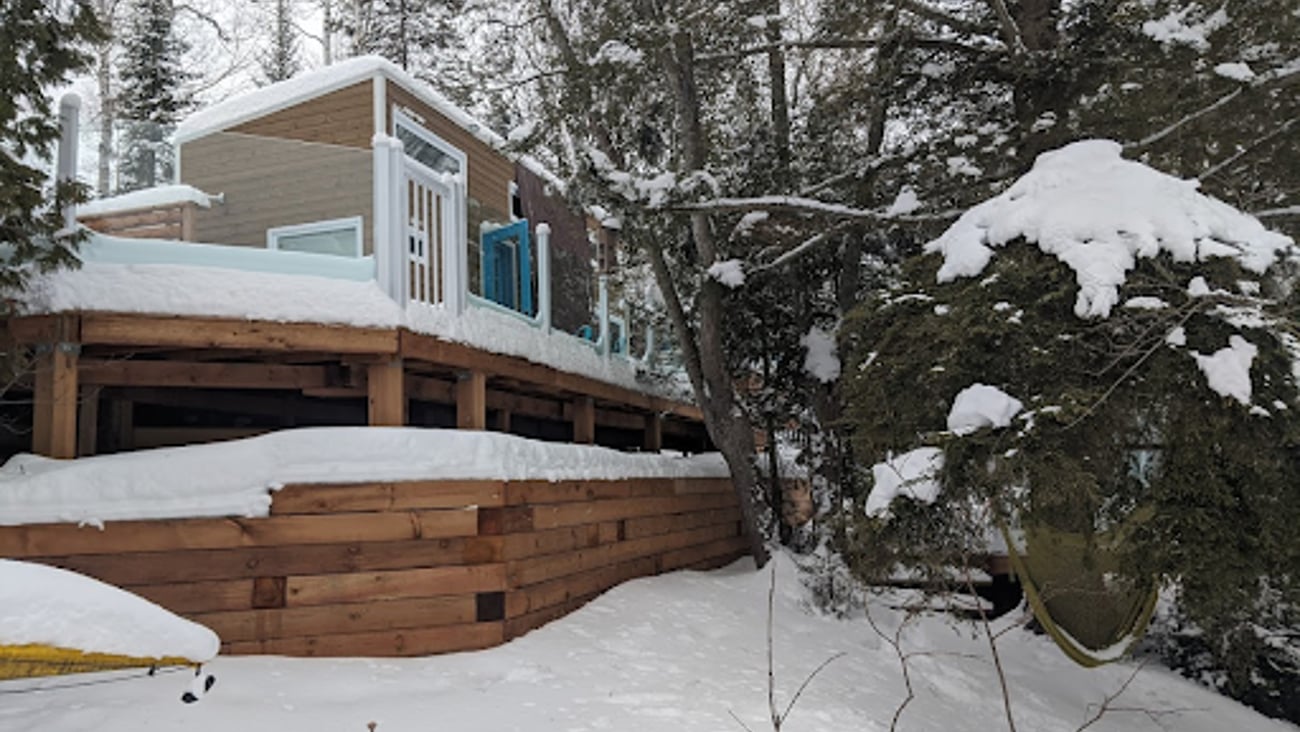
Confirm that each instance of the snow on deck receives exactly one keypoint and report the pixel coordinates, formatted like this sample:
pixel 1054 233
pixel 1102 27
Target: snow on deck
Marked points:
pixel 682 652
pixel 236 478
pixel 47 606
pixel 156 197
pixel 228 289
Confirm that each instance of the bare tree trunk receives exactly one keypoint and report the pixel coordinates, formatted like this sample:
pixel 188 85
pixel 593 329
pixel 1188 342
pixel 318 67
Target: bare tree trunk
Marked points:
pixel 107 103
pixel 728 425
pixel 776 79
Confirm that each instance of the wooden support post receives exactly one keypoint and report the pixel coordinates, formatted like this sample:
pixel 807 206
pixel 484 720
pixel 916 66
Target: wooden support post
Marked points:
pixel 654 433
pixel 54 408
pixel 471 401
pixel 386 394
pixel 88 421
pixel 503 420
pixel 121 425
pixel 584 420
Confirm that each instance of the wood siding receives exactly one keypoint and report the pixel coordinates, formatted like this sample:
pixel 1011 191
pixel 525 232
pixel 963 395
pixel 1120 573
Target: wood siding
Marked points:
pixel 570 250
pixel 400 569
pixel 270 182
pixel 344 117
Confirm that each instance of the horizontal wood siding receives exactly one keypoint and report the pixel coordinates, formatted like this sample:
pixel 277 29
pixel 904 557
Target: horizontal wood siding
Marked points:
pixel 489 173
pixel 269 182
pixel 344 117
pixel 401 568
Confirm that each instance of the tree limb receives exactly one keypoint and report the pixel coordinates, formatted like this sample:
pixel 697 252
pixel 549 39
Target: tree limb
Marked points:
pixel 1010 31
pixel 920 9
pixel 1254 145
pixel 797 204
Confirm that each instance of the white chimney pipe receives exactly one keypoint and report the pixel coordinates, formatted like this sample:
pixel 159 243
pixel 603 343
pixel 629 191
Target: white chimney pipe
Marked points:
pixel 69 127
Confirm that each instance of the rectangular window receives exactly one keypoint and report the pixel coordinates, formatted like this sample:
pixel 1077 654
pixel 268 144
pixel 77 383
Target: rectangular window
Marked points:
pixel 427 148
pixel 337 237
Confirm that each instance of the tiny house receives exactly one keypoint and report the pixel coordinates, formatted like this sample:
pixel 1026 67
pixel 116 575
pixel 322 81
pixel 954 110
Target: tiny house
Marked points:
pixel 335 159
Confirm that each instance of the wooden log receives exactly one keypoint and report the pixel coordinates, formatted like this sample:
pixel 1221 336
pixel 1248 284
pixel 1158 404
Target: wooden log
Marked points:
pixel 583 584
pixel 405 642
pixel 334 589
pixel 193 597
pixel 146 568
pixel 203 374
pixel 301 622
pixel 386 394
pixel 653 436
pixel 555 541
pixel 471 401
pixel 397 496
pixel 584 420
pixel 687 486
pixel 569 514
pixel 534 492
pixel 726 550
pixel 522 573
pixel 187 332
pixel 224 533
pixel 636 528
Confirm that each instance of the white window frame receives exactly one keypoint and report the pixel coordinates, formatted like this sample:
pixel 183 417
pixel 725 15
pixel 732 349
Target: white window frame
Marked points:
pixel 419 130
pixel 352 222
pixel 512 192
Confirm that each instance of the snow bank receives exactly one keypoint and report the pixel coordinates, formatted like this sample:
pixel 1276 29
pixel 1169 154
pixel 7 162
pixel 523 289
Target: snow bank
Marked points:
pixel 233 478
pixel 1228 369
pixel 979 406
pixel 1098 213
pixel 156 197
pixel 913 474
pixel 44 605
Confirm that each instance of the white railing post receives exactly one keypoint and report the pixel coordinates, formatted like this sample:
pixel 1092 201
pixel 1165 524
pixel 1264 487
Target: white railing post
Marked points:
pixel 455 267
pixel 544 276
pixel 384 237
pixel 69 123
pixel 603 313
pixel 398 265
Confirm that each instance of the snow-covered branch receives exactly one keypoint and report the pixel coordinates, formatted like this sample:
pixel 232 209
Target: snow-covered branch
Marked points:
pixel 923 10
pixel 1276 213
pixel 798 204
pixel 1275 79
pixel 839 44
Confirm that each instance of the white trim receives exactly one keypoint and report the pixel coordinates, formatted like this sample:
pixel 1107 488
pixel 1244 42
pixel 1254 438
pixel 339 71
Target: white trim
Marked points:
pixel 352 222
pixel 380 98
pixel 424 133
pixel 512 192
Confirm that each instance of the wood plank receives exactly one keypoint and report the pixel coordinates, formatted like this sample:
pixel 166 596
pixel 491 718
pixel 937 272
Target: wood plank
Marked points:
pixel 194 597
pixel 203 375
pixel 54 408
pixel 688 486
pixel 653 433
pixel 88 421
pixel 522 573
pixel 583 584
pixel 569 514
pixel 300 622
pixel 395 496
pixel 187 332
pixel 335 589
pixel 384 643
pixel 555 541
pixel 143 438
pixel 386 394
pixel 471 401
pixel 725 549
pixel 425 389
pixel 224 533
pixel 584 420
pixel 539 491
pixel 145 568
pixel 636 528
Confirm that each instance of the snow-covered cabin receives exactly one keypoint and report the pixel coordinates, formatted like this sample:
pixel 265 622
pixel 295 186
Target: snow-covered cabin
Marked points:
pixel 311 164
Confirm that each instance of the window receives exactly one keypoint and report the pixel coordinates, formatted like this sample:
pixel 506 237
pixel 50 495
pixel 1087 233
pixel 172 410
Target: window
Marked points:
pixel 337 237
pixel 426 147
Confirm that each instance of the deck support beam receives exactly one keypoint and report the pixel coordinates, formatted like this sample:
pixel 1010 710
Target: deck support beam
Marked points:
pixel 471 401
pixel 584 420
pixel 654 433
pixel 386 394
pixel 88 421
pixel 54 407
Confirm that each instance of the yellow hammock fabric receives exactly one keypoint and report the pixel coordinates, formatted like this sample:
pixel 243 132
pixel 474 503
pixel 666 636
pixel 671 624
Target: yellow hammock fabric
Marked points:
pixel 35 660
pixel 1071 586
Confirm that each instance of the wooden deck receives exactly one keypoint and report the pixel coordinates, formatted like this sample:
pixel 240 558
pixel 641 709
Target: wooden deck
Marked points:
pixel 400 569
pixel 106 382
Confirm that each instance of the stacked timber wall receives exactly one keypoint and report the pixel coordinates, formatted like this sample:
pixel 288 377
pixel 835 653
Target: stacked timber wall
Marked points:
pixel 410 568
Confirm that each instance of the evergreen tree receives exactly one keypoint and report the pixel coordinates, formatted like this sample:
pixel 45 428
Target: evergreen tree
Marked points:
pixel 42 43
pixel 405 32
pixel 280 60
pixel 152 97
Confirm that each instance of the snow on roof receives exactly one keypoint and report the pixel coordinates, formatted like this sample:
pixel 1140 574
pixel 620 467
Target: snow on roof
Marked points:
pixel 156 197
pixel 1097 213
pixel 235 478
pixel 47 606
pixel 284 94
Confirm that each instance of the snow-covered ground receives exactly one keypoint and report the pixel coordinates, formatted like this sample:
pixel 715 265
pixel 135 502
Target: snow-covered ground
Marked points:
pixel 681 653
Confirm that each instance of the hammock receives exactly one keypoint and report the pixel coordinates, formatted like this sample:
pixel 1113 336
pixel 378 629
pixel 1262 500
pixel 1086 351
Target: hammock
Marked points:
pixel 35 660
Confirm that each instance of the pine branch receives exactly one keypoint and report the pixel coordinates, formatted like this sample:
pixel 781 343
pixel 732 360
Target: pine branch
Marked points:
pixel 1253 146
pixel 920 9
pixel 801 205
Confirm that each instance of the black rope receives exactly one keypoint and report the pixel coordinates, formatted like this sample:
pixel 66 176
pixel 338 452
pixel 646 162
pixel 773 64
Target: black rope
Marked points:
pixel 154 671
